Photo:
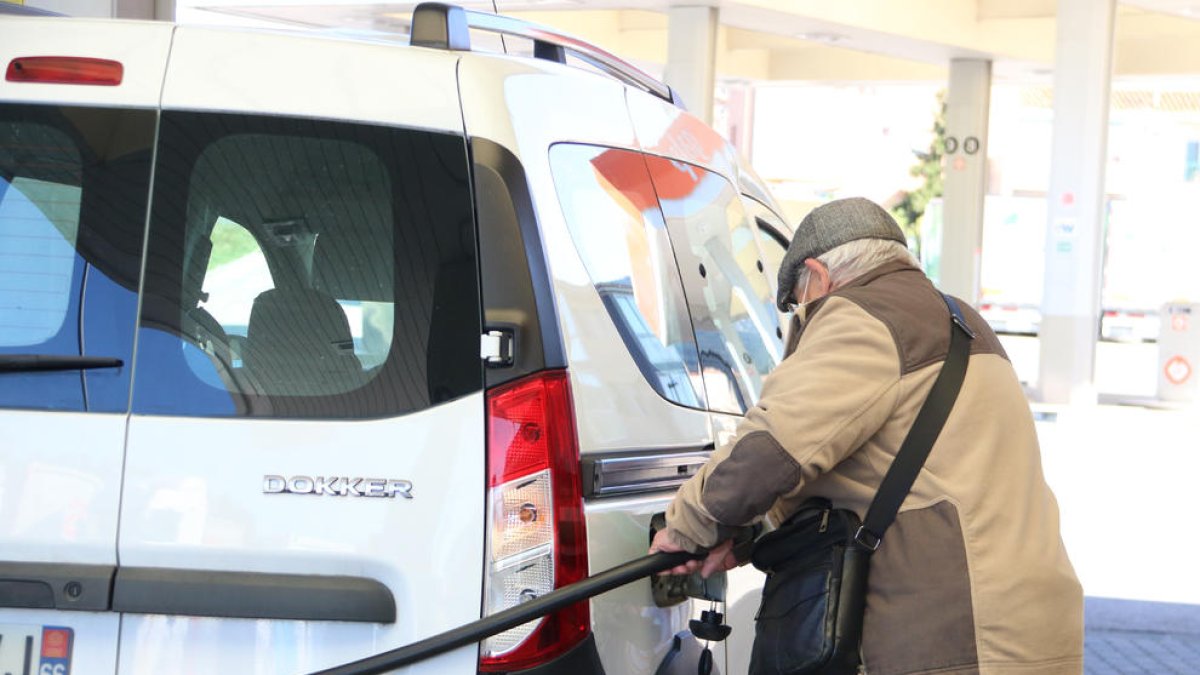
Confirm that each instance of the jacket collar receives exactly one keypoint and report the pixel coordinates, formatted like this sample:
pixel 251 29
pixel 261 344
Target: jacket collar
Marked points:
pixel 881 271
pixel 795 331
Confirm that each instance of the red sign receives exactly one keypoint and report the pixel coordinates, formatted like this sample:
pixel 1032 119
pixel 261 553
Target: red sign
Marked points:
pixel 1177 370
pixel 56 644
pixel 1179 322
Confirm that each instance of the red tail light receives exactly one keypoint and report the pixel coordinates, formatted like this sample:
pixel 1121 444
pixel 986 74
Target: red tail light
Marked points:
pixel 537 522
pixel 65 70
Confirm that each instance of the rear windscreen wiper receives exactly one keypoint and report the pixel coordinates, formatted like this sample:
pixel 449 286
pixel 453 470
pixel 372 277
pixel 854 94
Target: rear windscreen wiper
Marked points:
pixel 23 363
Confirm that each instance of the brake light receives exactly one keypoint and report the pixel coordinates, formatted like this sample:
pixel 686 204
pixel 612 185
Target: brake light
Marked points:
pixel 537 541
pixel 65 70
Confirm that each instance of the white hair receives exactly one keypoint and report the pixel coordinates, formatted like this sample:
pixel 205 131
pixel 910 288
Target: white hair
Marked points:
pixel 855 258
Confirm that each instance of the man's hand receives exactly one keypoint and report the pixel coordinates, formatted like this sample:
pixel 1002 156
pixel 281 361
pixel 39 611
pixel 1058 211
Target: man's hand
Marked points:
pixel 719 559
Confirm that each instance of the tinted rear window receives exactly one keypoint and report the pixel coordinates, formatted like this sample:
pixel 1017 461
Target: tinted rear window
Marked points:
pixel 302 268
pixel 73 188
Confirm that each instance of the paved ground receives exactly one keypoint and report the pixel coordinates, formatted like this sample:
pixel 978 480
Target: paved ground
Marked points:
pixel 1135 636
pixel 1121 653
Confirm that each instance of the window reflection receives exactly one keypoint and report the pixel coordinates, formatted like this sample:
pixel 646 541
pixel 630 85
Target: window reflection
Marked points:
pixel 73 185
pixel 37 257
pixel 613 216
pixel 730 298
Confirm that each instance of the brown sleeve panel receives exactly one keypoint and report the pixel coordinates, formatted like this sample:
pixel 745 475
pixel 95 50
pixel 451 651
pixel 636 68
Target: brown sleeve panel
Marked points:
pixel 757 472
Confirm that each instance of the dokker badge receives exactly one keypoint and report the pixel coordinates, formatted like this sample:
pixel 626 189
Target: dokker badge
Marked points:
pixel 337 486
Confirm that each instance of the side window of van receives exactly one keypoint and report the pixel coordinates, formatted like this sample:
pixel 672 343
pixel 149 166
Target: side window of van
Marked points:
pixel 73 186
pixel 610 208
pixel 731 299
pixel 301 268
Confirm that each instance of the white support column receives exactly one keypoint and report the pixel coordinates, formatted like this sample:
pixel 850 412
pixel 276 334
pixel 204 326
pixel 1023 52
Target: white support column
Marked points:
pixel 692 57
pixel 1075 210
pixel 736 100
pixel 965 183
pixel 160 10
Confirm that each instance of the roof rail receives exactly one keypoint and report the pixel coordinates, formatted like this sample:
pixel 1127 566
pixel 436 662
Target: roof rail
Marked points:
pixel 442 26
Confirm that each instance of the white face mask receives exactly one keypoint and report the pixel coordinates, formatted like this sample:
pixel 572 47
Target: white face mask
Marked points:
pixel 801 308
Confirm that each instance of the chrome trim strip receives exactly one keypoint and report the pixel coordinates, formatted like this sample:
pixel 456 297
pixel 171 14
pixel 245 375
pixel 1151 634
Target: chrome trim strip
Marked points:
pixel 640 471
pixel 43 585
pixel 601 59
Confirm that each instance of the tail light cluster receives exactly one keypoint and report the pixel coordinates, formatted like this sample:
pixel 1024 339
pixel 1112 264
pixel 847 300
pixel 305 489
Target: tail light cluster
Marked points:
pixel 536 539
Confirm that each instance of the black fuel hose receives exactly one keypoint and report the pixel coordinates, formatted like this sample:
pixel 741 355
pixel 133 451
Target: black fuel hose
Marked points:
pixel 514 616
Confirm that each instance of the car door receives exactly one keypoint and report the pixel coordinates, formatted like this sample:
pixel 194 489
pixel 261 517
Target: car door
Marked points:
pixel 634 351
pixel 75 161
pixel 304 481
pixel 728 277
pixel 744 584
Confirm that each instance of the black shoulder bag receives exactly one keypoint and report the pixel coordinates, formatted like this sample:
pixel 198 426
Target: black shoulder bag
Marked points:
pixel 811 616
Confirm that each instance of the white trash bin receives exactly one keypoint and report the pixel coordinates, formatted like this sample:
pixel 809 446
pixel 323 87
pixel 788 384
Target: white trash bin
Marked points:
pixel 1178 351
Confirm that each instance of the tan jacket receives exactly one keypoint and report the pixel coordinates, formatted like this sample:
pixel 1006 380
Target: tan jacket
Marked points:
pixel 972 576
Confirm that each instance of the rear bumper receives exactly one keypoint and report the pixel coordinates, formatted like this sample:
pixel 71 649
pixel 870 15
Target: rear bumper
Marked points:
pixel 583 659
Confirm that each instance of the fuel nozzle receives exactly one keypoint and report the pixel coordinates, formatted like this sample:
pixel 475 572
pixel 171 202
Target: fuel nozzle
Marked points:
pixel 671 589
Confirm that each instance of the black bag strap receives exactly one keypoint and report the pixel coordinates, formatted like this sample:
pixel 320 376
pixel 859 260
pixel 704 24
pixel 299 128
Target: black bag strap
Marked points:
pixel 916 446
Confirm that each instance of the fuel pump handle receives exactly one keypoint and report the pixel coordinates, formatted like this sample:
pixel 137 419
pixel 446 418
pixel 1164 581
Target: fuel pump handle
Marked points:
pixel 515 616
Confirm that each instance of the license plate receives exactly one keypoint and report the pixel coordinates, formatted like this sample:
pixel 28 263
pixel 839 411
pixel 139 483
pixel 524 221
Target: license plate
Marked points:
pixel 35 650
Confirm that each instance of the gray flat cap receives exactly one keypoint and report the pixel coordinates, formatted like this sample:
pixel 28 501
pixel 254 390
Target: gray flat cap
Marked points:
pixel 827 227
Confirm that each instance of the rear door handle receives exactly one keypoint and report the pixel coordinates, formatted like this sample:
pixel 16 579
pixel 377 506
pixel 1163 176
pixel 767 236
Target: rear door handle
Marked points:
pixel 38 585
pixel 252 595
pixel 151 590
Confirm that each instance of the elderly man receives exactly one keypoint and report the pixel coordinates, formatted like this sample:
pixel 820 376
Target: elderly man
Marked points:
pixel 972 577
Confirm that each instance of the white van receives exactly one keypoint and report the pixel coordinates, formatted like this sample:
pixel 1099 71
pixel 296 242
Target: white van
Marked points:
pixel 313 347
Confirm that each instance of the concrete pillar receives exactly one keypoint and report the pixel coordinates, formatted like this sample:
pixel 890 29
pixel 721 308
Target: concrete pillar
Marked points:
pixel 160 10
pixel 965 181
pixel 733 115
pixel 692 57
pixel 1076 208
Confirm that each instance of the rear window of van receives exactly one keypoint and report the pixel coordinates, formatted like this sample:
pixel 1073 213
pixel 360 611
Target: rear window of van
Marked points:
pixel 73 189
pixel 306 268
